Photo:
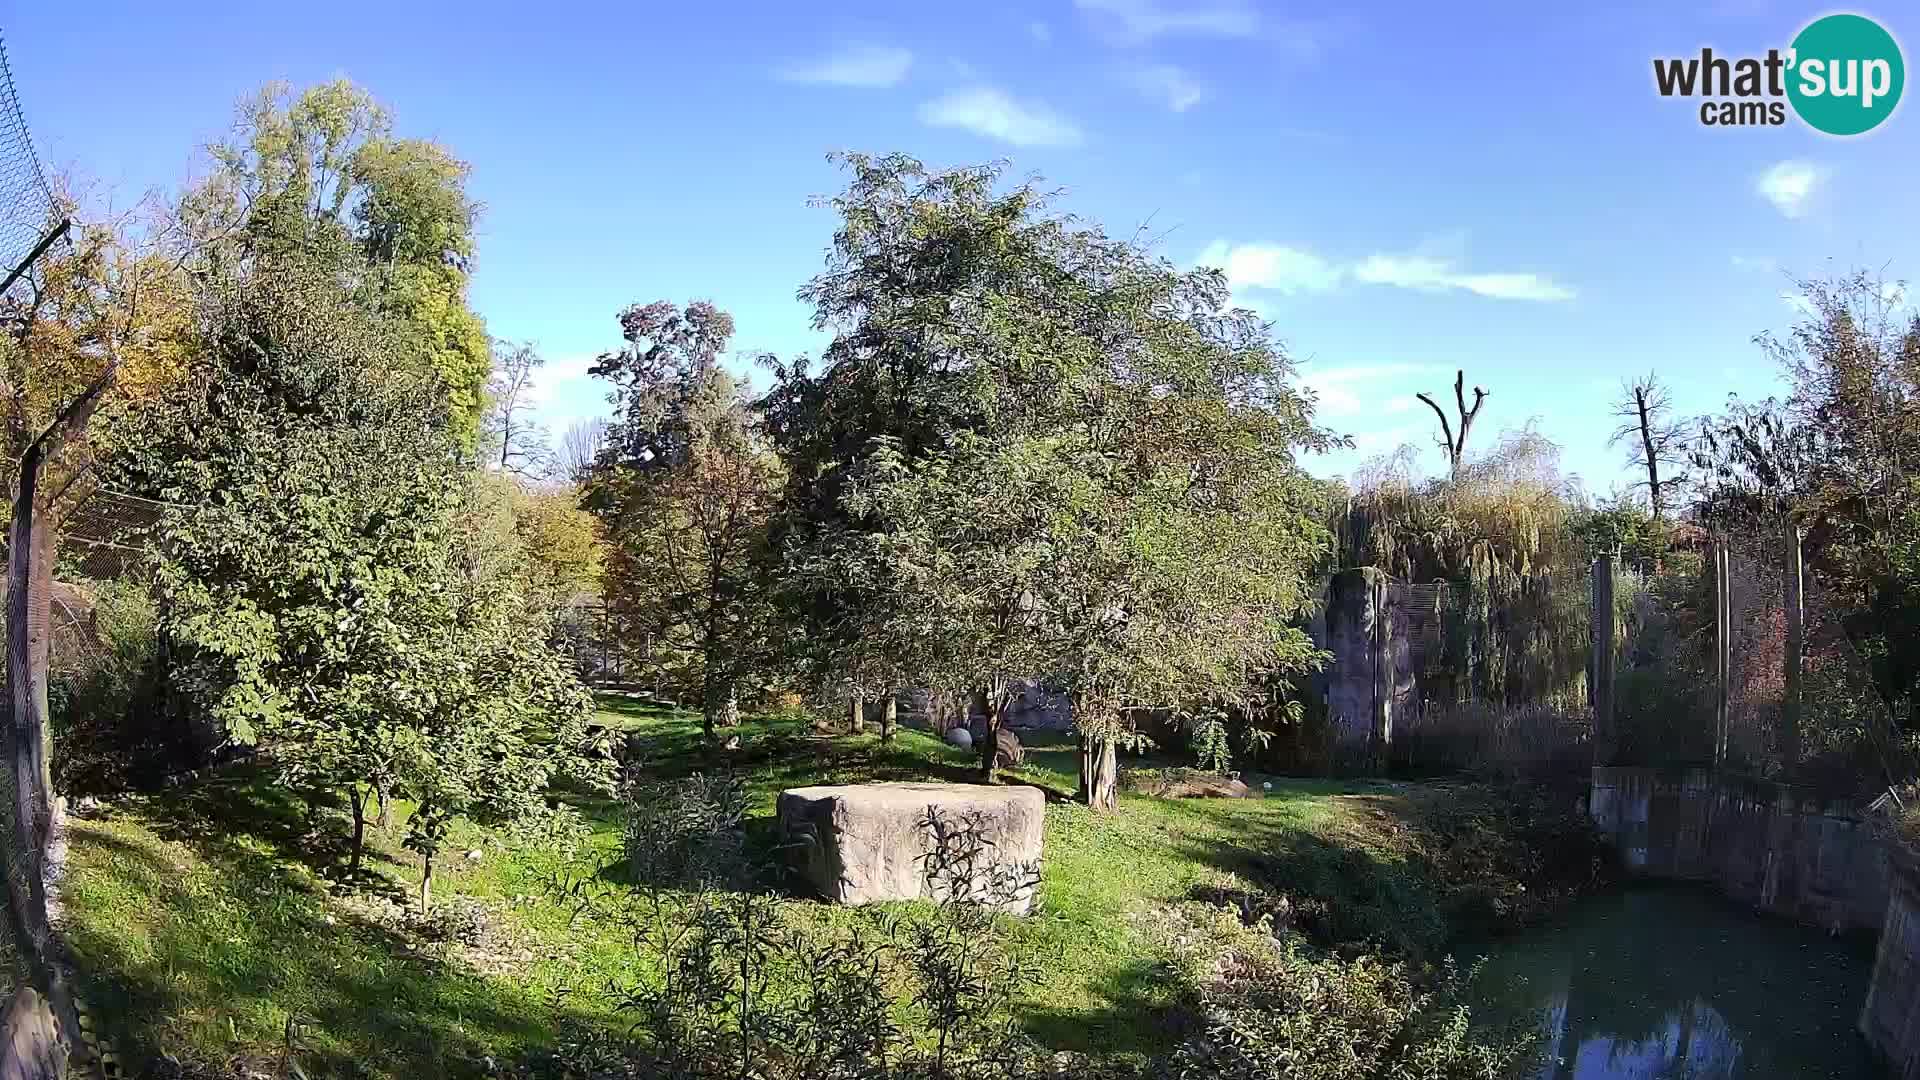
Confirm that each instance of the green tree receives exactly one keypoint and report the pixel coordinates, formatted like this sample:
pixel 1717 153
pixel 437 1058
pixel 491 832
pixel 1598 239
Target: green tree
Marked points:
pixel 1078 463
pixel 320 174
pixel 323 597
pixel 938 321
pixel 685 490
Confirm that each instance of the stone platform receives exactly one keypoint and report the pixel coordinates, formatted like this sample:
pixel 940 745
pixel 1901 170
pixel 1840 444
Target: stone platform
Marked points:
pixel 866 843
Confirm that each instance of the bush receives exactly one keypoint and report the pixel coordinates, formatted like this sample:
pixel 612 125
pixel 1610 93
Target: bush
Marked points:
pixel 687 831
pixel 733 985
pixel 1271 1011
pixel 104 695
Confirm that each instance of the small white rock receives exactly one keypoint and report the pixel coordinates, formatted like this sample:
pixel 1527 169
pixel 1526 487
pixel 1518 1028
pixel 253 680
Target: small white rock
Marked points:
pixel 474 855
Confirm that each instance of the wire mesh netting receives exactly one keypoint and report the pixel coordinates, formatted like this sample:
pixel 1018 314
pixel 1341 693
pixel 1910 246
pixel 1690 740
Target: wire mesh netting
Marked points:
pixel 27 208
pixel 1846 739
pixel 105 536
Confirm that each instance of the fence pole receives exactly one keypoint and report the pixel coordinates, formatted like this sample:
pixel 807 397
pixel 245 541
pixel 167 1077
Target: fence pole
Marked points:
pixel 1795 594
pixel 1722 647
pixel 1602 645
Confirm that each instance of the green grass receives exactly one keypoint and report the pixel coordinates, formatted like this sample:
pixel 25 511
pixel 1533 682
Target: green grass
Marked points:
pixel 206 917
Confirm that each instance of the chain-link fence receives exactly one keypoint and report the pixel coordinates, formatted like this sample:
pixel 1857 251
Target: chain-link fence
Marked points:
pixel 28 213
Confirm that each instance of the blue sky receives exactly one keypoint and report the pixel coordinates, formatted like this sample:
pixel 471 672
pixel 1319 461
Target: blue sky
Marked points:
pixel 1403 191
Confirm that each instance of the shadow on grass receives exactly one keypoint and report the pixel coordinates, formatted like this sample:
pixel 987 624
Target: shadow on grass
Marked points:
pixel 1140 1015
pixel 207 947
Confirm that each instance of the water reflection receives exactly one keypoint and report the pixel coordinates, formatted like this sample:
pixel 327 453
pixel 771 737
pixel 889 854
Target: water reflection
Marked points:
pixel 1674 983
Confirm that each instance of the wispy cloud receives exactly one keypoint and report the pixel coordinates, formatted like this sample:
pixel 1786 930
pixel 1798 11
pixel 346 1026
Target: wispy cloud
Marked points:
pixel 869 66
pixel 1167 85
pixel 1290 270
pixel 997 115
pixel 1790 185
pixel 1039 31
pixel 1362 389
pixel 1139 21
pixel 1426 273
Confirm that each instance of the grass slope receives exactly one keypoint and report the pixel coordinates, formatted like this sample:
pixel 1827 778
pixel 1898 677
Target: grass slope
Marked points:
pixel 209 920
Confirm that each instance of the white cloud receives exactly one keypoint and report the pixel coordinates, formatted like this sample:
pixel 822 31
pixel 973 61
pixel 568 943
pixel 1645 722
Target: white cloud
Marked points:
pixel 1790 185
pixel 1138 21
pixel 1429 274
pixel 1167 85
pixel 1289 270
pixel 856 65
pixel 1039 31
pixel 996 115
pixel 1271 266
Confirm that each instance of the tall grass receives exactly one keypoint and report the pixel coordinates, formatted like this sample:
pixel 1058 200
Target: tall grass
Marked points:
pixel 1523 742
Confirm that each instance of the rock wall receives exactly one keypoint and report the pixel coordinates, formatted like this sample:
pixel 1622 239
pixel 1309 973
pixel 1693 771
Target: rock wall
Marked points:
pixel 1762 844
pixel 1371 678
pixel 1890 1019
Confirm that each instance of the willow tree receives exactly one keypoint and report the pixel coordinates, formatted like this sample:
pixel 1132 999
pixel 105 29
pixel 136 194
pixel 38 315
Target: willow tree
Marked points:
pixel 1113 501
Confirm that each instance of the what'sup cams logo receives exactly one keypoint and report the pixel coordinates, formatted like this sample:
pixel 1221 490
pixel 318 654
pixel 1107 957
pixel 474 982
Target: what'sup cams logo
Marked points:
pixel 1842 75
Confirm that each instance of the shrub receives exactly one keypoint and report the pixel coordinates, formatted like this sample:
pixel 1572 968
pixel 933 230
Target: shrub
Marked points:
pixel 1269 1010
pixel 1494 741
pixel 734 984
pixel 105 694
pixel 686 831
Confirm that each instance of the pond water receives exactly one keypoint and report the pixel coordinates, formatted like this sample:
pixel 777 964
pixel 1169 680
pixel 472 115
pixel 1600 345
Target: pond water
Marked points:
pixel 1673 982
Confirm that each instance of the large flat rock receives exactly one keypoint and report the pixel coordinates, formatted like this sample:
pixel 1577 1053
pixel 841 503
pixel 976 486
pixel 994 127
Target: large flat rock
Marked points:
pixel 864 843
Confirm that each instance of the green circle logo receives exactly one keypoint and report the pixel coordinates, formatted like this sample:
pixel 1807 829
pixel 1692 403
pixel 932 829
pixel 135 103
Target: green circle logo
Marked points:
pixel 1845 74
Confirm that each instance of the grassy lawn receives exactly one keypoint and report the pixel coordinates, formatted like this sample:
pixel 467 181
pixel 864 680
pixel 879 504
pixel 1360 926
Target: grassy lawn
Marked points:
pixel 212 924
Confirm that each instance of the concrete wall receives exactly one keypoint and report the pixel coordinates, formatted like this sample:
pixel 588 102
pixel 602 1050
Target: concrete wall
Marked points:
pixel 1371 678
pixel 1890 1019
pixel 1762 844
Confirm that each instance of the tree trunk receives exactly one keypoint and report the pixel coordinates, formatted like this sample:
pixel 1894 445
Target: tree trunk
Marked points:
pixel 1652 455
pixel 719 704
pixel 1099 772
pixel 386 802
pixel 989 705
pixel 29 803
pixel 358 799
pixel 856 715
pixel 889 718
pixel 426 883
pixel 29 612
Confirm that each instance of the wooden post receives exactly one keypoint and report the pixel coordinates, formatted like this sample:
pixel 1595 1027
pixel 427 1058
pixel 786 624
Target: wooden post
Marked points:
pixel 1795 596
pixel 1604 737
pixel 1722 647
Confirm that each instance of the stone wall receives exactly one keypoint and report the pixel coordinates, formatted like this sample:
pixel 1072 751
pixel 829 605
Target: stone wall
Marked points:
pixel 1762 844
pixel 1890 1019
